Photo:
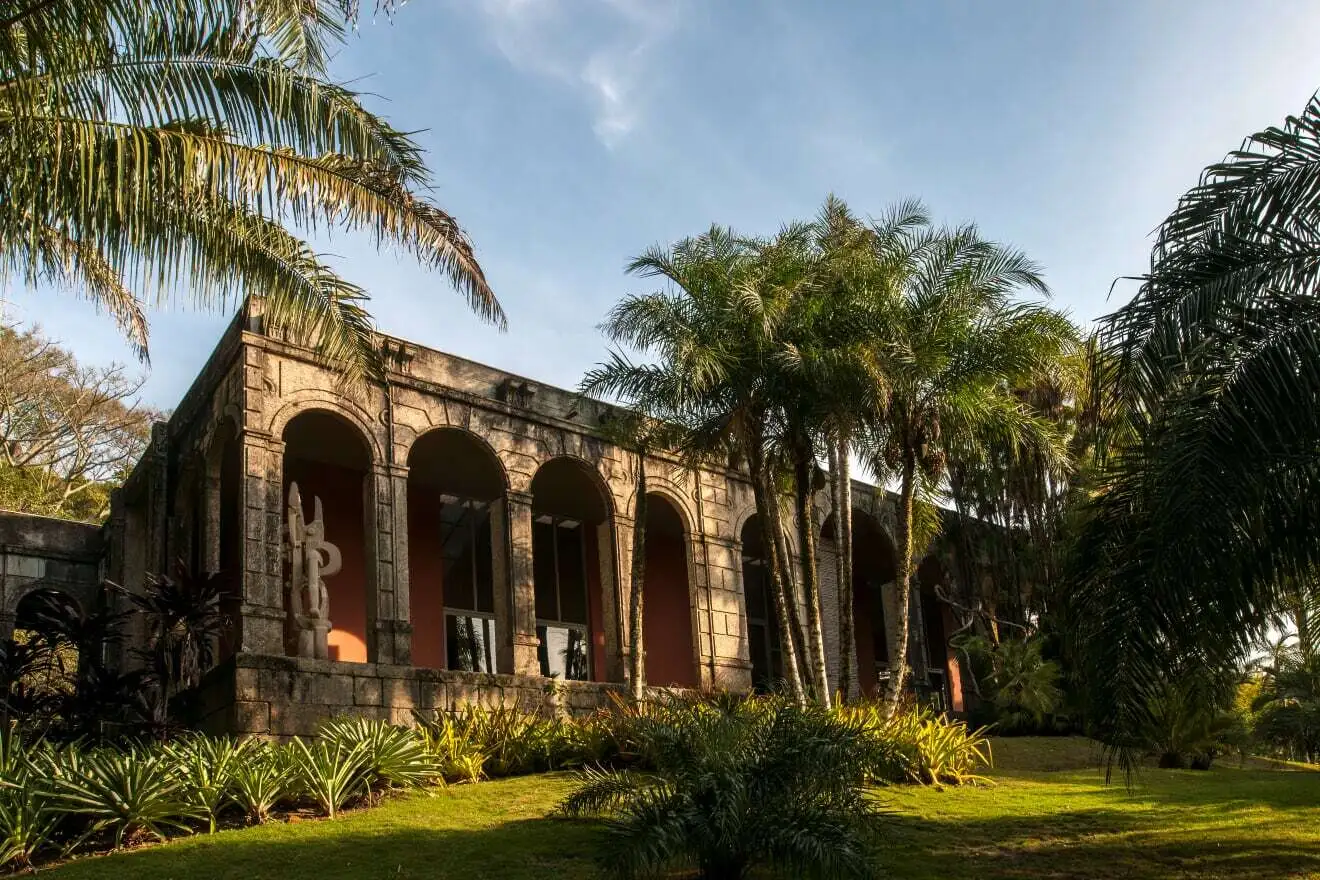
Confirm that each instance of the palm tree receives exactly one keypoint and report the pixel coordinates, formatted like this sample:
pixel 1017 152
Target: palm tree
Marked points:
pixel 954 344
pixel 149 145
pixel 710 332
pixel 1207 507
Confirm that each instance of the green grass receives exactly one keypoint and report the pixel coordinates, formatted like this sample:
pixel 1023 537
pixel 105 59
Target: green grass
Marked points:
pixel 1048 815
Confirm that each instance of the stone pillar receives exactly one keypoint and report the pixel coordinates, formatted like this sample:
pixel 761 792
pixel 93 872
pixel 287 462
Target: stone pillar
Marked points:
pixel 261 613
pixel 389 627
pixel 520 621
pixel 612 604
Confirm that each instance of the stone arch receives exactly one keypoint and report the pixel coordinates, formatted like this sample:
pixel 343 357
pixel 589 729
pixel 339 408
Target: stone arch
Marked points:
pixel 669 608
pixel 575 564
pixel 457 555
pixel 319 400
pixel 330 458
pixel 874 569
pixel 82 595
pixel 222 515
pixel 673 492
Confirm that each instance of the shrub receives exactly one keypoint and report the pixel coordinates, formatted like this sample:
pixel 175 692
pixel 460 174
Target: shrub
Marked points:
pixel 331 773
pixel 261 781
pixel 392 756
pixel 128 792
pixel 917 745
pixel 453 748
pixel 205 767
pixel 730 787
pixel 28 819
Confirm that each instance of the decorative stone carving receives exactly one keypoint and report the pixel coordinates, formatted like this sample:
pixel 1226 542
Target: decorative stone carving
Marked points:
pixel 312 559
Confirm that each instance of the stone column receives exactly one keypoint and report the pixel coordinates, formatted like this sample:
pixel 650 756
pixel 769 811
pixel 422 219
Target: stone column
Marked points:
pixel 389 627
pixel 610 541
pixel 261 613
pixel 518 621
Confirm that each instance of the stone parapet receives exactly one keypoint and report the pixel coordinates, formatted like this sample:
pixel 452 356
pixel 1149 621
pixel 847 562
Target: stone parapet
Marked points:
pixel 279 697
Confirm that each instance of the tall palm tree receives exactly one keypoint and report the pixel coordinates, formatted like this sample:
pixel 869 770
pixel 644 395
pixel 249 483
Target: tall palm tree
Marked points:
pixel 955 342
pixel 711 332
pixel 153 145
pixel 1208 505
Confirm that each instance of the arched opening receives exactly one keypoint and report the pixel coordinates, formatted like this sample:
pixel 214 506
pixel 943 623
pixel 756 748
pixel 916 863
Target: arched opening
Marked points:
pixel 667 609
pixel 570 541
pixel 936 626
pixel 45 646
pixel 329 459
pixel 223 531
pixel 455 487
pixel 874 567
pixel 763 642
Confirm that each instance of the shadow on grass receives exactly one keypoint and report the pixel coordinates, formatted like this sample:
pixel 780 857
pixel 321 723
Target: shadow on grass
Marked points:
pixel 1208 841
pixel 514 850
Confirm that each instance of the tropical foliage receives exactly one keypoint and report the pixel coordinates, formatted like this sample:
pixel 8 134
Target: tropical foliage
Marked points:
pixel 894 339
pixel 58 799
pixel 1203 519
pixel 151 146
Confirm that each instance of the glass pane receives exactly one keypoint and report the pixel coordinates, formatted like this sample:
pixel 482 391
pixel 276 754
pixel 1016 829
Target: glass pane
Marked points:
pixel 572 576
pixel 456 548
pixel 485 562
pixel 543 570
pixel 469 643
pixel 757 601
pixel 563 652
pixel 761 674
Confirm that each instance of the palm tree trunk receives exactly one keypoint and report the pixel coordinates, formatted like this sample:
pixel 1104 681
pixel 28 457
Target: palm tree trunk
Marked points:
pixel 803 463
pixel 841 495
pixel 766 512
pixel 636 648
pixel 788 577
pixel 898 648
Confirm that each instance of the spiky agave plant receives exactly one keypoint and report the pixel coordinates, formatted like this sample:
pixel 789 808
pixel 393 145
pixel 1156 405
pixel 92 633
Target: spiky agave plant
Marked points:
pixel 394 756
pixel 262 781
pixel 206 766
pixel 331 773
pixel 729 788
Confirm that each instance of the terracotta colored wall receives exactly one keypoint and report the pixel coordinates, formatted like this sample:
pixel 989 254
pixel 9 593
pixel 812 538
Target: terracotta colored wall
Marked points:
pixel 956 703
pixel 865 637
pixel 340 491
pixel 597 615
pixel 667 614
pixel 425 578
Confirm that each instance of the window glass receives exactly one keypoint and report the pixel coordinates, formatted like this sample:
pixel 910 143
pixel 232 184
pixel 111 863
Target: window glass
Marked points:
pixel 485 566
pixel 572 574
pixel 470 643
pixel 543 570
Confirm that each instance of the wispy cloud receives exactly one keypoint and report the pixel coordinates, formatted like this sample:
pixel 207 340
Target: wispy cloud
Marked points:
pixel 603 49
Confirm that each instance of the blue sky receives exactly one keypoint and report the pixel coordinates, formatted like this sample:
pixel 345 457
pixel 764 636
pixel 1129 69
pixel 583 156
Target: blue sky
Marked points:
pixel 569 135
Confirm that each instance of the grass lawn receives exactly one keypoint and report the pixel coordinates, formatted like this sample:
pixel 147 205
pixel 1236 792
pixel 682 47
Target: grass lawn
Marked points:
pixel 1048 815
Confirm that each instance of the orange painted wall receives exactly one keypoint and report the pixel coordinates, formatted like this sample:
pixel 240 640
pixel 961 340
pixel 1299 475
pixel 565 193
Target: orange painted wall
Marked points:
pixel 667 614
pixel 956 702
pixel 340 490
pixel 597 615
pixel 426 598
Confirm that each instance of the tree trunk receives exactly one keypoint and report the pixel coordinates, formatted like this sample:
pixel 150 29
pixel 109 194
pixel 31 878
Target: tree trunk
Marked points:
pixel 788 577
pixel 803 463
pixel 841 496
pixel 898 648
pixel 636 649
pixel 765 502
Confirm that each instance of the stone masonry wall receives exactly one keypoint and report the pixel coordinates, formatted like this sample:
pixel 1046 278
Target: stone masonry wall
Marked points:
pixel 280 697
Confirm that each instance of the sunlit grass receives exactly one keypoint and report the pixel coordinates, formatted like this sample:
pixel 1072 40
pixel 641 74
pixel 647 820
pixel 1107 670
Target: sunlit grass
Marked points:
pixel 1048 815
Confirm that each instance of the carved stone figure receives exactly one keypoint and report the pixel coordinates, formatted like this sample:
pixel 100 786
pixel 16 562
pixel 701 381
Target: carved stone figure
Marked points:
pixel 312 559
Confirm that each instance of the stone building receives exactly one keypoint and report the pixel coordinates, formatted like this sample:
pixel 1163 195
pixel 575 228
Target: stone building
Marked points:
pixel 483 533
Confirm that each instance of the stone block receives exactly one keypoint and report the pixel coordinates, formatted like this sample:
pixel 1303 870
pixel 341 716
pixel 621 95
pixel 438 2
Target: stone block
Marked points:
pixel 251 717
pixel 366 691
pixel 398 693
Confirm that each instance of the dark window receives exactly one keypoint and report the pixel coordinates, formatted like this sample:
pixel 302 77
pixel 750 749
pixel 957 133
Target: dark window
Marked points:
pixel 469 585
pixel 559 569
pixel 762 626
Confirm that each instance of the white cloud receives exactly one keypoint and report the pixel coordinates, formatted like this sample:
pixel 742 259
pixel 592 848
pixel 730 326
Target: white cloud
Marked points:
pixel 602 49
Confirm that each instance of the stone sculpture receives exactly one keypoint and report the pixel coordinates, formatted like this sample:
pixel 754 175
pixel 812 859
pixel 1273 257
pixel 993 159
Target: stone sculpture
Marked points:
pixel 312 559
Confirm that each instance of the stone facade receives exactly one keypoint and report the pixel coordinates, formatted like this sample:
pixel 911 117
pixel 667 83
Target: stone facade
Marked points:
pixel 40 553
pixel 212 492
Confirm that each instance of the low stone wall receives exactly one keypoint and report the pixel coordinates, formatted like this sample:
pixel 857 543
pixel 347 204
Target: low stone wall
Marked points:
pixel 279 697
